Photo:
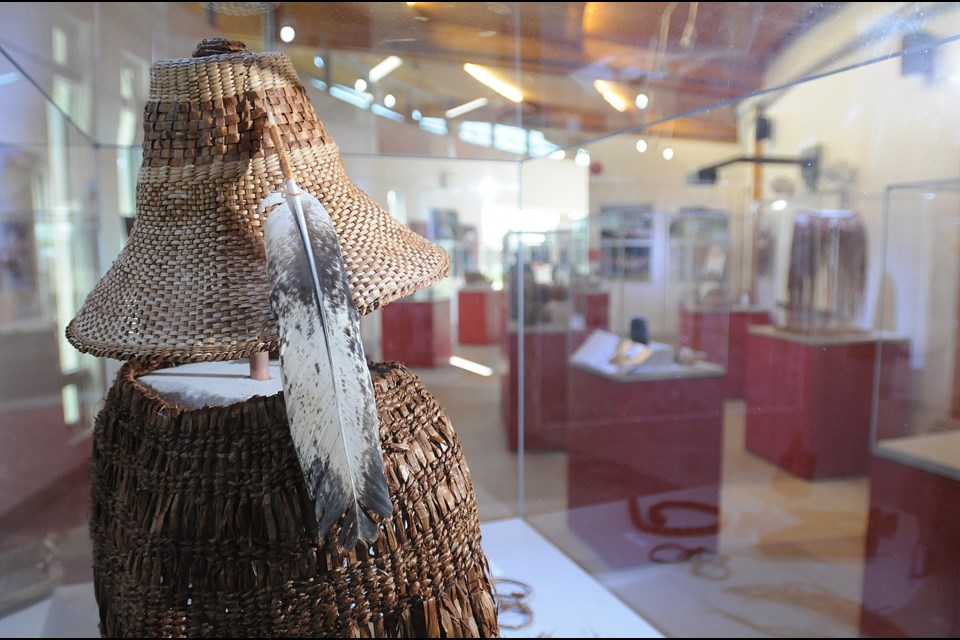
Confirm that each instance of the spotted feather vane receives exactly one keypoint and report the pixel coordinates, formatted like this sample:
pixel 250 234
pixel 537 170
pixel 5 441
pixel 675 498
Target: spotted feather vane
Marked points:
pixel 327 386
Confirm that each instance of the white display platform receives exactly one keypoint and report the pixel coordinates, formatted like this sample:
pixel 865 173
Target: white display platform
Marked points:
pixel 596 352
pixel 200 384
pixel 567 602
pixel 934 452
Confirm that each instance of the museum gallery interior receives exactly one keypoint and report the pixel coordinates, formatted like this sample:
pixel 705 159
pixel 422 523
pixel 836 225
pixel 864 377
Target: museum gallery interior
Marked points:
pixel 449 319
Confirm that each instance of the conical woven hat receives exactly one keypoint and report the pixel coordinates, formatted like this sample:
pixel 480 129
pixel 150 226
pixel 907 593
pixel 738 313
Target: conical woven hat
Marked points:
pixel 191 283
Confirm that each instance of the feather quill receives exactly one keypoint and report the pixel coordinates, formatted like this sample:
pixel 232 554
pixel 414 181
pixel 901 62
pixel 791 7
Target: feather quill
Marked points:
pixel 327 386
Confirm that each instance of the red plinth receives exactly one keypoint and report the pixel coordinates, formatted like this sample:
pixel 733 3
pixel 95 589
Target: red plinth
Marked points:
pixel 544 388
pixel 480 316
pixel 911 578
pixel 637 446
pixel 594 306
pixel 722 335
pixel 809 399
pixel 417 333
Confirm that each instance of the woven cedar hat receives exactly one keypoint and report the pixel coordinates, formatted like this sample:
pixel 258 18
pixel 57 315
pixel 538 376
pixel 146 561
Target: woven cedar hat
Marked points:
pixel 191 283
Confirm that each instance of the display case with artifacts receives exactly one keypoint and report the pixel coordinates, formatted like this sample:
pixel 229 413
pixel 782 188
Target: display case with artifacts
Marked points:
pixel 813 418
pixel 260 499
pixel 699 240
pixel 626 241
pixel 827 277
pixel 550 311
pixel 915 470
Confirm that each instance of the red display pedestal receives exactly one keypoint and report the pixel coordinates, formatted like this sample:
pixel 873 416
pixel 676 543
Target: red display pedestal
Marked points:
pixel 416 333
pixel 911 577
pixel 642 447
pixel 545 373
pixel 481 316
pixel 594 307
pixel 809 398
pixel 722 335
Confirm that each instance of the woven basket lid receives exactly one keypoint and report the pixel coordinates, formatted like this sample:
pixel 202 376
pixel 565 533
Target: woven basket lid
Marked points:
pixel 191 283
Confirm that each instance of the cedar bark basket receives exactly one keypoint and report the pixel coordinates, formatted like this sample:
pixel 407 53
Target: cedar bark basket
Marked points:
pixel 202 526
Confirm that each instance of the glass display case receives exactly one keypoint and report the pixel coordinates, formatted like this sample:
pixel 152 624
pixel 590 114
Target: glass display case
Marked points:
pixel 916 432
pixel 705 371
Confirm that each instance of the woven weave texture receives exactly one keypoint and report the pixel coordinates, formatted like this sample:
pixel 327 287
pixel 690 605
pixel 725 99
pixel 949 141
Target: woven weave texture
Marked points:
pixel 202 526
pixel 191 285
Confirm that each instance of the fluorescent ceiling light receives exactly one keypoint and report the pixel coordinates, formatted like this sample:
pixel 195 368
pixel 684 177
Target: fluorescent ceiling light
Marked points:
pixel 319 84
pixel 610 94
pixel 382 68
pixel 471 366
pixel 434 125
pixel 483 75
pixel 380 110
pixel 9 78
pixel 352 96
pixel 466 107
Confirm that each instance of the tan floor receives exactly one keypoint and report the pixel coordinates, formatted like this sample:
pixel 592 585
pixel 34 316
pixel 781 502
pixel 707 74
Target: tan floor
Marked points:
pixel 790 550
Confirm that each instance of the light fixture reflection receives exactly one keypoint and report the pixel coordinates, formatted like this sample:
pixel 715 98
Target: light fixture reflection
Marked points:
pixel 641 146
pixel 610 94
pixel 642 101
pixel 472 367
pixel 318 62
pixel 467 107
pixel 287 34
pixel 582 158
pixel 778 205
pixel 360 84
pixel 389 101
pixel 668 153
pixel 484 75
pixel 384 67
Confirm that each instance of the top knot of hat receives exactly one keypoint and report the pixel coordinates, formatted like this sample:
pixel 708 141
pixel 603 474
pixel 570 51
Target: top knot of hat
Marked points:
pixel 191 283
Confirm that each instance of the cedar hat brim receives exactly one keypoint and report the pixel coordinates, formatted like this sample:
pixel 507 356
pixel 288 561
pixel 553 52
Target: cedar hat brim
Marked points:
pixel 191 282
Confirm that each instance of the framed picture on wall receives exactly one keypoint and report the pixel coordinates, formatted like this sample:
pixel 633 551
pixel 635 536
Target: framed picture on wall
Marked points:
pixel 444 224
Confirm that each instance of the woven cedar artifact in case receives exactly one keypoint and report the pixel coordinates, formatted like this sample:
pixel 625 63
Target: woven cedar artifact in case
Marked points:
pixel 827 277
pixel 201 521
pixel 202 525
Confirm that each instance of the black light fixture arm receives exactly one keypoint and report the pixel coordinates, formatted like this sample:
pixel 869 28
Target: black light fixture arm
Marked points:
pixel 809 163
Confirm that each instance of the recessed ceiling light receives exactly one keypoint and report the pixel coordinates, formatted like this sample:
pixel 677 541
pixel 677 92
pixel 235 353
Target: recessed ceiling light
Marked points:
pixel 668 153
pixel 389 101
pixel 642 145
pixel 287 34
pixel 360 84
pixel 642 101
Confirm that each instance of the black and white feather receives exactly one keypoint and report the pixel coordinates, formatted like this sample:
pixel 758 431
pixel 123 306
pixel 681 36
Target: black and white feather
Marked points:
pixel 327 386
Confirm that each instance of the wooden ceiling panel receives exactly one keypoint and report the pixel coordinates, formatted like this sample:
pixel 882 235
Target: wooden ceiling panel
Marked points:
pixel 711 54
